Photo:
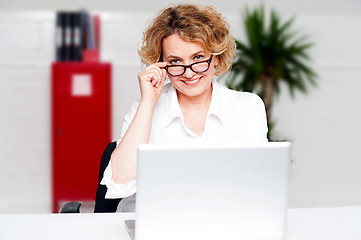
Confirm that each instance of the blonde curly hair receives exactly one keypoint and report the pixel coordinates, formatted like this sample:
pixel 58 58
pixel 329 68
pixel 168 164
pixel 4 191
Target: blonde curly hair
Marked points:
pixel 195 23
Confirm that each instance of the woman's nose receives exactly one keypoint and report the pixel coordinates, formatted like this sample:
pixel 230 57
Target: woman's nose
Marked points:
pixel 188 73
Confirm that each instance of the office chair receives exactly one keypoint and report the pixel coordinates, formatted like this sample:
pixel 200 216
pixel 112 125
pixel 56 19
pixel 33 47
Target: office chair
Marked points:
pixel 102 205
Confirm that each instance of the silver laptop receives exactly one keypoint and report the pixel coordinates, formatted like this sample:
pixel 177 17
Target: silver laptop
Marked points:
pixel 212 191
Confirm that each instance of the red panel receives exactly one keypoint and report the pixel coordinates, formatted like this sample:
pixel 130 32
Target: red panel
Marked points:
pixel 81 128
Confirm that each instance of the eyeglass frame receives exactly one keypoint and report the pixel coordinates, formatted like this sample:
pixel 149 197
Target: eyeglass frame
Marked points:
pixel 189 66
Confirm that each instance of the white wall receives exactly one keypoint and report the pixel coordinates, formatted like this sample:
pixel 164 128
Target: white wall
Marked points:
pixel 322 125
pixel 303 7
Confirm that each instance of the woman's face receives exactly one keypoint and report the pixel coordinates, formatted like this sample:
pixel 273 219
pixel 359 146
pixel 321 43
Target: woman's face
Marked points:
pixel 176 51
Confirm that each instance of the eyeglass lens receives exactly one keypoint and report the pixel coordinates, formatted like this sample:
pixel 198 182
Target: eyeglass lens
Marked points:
pixel 198 67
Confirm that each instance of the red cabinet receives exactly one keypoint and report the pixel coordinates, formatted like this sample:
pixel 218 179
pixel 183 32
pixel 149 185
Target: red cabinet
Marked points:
pixel 81 128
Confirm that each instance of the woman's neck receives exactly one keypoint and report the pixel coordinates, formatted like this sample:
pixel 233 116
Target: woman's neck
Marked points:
pixel 195 110
pixel 195 103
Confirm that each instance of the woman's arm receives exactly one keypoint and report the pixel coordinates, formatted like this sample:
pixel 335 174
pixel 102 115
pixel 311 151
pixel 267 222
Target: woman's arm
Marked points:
pixel 124 157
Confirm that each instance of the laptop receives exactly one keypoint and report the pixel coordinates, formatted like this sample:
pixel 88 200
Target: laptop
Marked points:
pixel 232 191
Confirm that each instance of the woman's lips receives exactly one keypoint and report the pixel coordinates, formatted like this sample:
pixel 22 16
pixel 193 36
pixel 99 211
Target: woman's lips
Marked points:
pixel 191 82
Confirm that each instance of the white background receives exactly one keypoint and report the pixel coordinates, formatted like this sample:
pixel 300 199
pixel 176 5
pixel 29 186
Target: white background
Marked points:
pixel 322 125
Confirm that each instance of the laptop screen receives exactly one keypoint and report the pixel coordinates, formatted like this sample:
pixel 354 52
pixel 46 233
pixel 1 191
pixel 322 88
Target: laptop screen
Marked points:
pixel 212 191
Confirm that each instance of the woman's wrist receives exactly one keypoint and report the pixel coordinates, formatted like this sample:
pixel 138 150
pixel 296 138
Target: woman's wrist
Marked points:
pixel 148 103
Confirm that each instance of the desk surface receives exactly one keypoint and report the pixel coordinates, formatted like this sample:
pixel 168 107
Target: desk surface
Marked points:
pixel 340 223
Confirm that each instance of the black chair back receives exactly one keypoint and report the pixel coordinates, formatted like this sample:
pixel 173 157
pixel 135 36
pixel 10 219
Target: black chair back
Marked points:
pixel 101 204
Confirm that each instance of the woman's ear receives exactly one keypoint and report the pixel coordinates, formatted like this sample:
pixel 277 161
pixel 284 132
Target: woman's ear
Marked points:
pixel 216 61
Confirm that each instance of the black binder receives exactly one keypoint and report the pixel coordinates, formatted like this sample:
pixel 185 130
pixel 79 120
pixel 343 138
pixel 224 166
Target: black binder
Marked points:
pixel 67 36
pixel 76 41
pixel 74 32
pixel 59 37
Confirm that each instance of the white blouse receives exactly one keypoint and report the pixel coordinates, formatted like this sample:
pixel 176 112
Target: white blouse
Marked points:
pixel 232 117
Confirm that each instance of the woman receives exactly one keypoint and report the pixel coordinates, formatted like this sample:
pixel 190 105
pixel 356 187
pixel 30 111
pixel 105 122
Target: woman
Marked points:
pixel 189 44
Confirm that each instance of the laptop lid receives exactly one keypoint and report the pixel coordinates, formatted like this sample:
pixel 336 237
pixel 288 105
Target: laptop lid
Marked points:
pixel 212 191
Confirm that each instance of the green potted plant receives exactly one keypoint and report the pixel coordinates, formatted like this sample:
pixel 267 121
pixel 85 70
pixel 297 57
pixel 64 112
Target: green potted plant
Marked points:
pixel 271 54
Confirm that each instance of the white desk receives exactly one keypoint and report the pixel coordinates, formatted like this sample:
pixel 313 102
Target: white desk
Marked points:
pixel 341 223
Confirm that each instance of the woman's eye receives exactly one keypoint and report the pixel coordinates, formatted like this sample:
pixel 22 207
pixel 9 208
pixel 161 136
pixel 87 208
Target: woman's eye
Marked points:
pixel 198 57
pixel 174 61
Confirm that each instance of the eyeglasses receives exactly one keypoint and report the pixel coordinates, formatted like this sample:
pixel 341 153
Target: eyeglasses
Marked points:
pixel 198 67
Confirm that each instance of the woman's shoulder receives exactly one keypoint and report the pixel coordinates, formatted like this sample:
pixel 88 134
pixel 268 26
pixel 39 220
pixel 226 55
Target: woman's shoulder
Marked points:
pixel 236 96
pixel 240 108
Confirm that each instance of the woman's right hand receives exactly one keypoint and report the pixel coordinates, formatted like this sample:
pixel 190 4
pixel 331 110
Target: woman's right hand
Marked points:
pixel 124 157
pixel 151 81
